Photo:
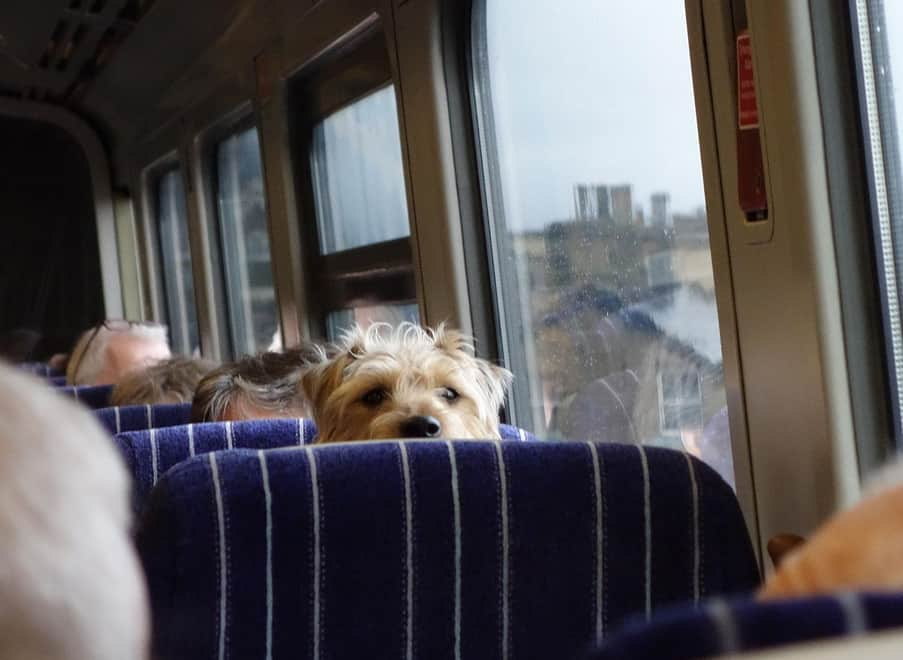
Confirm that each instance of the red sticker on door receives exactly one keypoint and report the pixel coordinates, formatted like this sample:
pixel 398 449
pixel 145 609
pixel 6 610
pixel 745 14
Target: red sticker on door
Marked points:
pixel 746 84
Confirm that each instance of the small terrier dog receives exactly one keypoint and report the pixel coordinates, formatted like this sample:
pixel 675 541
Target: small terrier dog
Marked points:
pixel 410 382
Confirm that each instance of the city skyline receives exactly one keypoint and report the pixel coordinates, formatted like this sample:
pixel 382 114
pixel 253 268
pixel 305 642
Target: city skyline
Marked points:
pixel 604 106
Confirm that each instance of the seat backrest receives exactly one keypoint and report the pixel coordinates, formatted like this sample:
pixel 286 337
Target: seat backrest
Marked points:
pixel 723 627
pixel 93 396
pixel 57 381
pixel 150 453
pixel 41 369
pixel 431 549
pixel 119 419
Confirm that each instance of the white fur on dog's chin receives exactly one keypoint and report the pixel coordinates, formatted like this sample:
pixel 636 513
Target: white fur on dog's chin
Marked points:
pixel 70 583
pixel 414 364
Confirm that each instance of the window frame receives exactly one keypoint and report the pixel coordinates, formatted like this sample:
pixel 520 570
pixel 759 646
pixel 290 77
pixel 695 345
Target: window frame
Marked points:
pixel 501 284
pixel 152 178
pixel 237 121
pixel 875 389
pixel 381 273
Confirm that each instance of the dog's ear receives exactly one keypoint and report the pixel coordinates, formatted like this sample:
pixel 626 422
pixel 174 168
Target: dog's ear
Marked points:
pixel 321 379
pixel 494 381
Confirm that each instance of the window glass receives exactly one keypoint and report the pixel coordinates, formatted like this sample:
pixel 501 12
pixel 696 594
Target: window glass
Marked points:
pixel 879 27
pixel 175 258
pixel 603 271
pixel 358 178
pixel 250 296
pixel 364 315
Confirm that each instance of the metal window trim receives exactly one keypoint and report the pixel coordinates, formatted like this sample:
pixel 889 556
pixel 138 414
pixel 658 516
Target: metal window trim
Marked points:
pixel 503 287
pixel 883 245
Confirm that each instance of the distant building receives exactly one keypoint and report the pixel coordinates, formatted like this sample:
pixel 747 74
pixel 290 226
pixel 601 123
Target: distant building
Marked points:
pixel 592 202
pixel 660 215
pixel 691 224
pixel 622 204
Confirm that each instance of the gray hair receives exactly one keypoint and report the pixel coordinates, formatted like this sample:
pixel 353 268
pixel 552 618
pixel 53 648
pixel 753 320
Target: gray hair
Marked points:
pixel 88 356
pixel 170 381
pixel 66 499
pixel 270 381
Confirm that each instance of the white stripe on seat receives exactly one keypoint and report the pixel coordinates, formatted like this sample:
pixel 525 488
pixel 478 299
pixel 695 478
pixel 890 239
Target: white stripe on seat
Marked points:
pixel 315 505
pixel 600 577
pixel 300 432
pixel 230 442
pixel 221 528
pixel 191 451
pixel 854 617
pixel 725 626
pixel 503 506
pixel 118 423
pixel 694 489
pixel 154 458
pixel 456 508
pixel 409 553
pixel 150 416
pixel 268 498
pixel 647 523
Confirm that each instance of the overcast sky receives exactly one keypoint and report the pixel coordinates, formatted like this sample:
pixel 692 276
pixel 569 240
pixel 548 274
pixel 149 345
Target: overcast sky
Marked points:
pixel 592 91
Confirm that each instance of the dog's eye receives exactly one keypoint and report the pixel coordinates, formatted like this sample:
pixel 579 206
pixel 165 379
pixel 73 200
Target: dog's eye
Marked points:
pixel 449 394
pixel 375 396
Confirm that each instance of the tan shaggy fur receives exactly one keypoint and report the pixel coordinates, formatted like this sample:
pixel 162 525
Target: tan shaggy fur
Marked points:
pixel 378 379
pixel 857 549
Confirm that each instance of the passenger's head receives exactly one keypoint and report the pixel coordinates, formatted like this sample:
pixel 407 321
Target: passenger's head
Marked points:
pixel 105 353
pixel 255 387
pixel 70 583
pixel 170 381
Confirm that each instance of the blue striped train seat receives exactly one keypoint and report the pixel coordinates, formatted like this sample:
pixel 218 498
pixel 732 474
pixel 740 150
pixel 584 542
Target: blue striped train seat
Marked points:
pixel 431 549
pixel 57 381
pixel 119 419
pixel 150 453
pixel 93 396
pixel 723 627
pixel 40 369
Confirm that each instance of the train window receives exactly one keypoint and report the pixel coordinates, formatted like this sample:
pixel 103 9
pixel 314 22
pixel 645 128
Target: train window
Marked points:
pixel 358 176
pixel 365 315
pixel 879 33
pixel 175 260
pixel 244 242
pixel 592 176
pixel 347 149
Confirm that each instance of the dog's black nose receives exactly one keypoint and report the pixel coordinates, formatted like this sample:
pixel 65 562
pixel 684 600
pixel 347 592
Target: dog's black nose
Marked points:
pixel 421 427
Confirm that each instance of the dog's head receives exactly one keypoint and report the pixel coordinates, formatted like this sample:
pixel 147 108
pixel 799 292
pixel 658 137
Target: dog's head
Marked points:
pixel 409 382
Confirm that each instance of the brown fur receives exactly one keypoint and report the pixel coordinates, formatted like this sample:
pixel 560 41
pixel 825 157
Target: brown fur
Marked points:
pixel 413 367
pixel 857 549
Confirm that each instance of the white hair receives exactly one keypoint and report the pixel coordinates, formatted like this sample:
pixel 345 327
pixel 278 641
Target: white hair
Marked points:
pixel 89 356
pixel 70 583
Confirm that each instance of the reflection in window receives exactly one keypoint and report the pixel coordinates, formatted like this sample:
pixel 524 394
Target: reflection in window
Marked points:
pixel 251 299
pixel 175 257
pixel 358 176
pixel 364 315
pixel 602 261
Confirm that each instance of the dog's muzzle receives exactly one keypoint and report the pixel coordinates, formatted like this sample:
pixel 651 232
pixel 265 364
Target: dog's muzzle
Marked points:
pixel 421 427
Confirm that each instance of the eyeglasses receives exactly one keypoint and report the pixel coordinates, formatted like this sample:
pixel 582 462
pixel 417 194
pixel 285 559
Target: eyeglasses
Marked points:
pixel 113 325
